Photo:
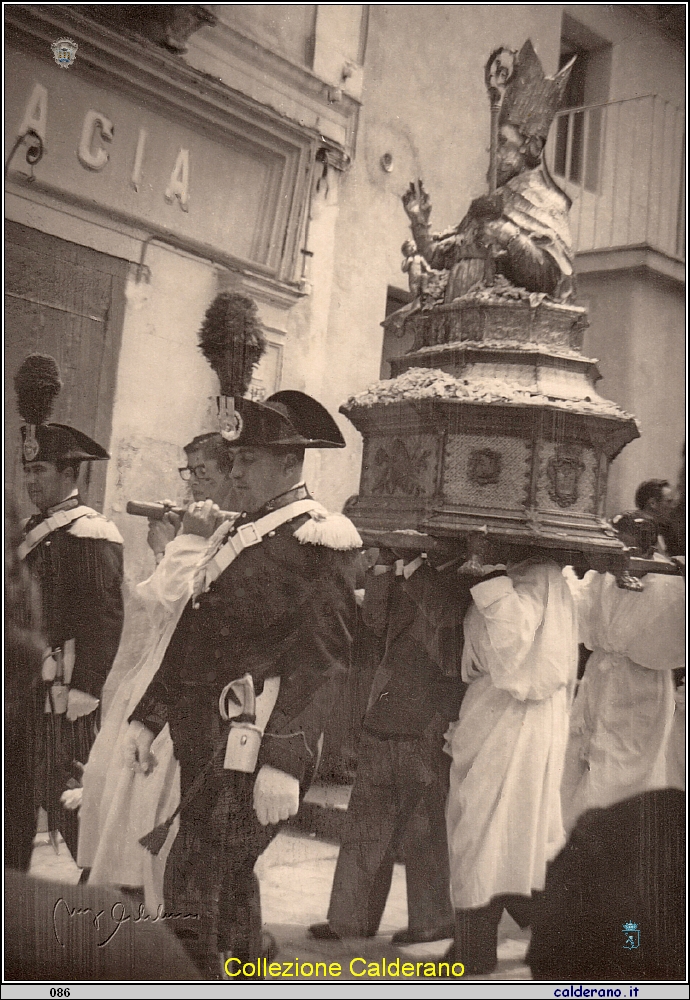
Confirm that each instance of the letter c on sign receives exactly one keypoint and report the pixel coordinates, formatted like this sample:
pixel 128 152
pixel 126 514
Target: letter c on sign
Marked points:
pixel 353 962
pixel 227 970
pixel 94 159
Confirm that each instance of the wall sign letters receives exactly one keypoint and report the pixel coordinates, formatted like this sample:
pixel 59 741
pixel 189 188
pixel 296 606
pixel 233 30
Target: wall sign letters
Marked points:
pixel 212 176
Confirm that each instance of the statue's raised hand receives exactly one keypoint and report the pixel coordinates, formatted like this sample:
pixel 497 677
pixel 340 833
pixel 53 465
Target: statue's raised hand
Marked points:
pixel 417 203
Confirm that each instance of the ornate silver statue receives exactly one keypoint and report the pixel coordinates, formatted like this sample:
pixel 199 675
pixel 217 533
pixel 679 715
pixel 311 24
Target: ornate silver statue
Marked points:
pixel 520 230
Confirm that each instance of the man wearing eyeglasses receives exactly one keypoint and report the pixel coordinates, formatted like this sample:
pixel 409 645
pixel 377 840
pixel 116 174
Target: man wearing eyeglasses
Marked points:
pixel 115 809
pixel 209 474
pixel 256 663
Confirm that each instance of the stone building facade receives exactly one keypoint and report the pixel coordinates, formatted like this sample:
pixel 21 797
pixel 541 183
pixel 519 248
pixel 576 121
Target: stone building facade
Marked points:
pixel 188 149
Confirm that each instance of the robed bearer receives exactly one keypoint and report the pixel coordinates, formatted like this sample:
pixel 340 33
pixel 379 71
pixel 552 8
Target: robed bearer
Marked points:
pixel 623 716
pixel 508 746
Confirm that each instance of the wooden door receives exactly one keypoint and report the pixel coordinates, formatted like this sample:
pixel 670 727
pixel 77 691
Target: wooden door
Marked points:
pixel 66 300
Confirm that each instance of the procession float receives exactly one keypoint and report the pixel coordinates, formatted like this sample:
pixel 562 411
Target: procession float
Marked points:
pixel 491 428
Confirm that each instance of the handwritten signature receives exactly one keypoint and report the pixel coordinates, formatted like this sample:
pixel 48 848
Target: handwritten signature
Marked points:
pixel 119 914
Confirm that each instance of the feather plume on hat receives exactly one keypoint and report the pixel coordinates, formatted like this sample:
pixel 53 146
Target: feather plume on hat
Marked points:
pixel 232 341
pixel 37 385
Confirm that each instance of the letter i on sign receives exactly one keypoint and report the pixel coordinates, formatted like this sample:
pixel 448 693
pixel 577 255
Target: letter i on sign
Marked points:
pixel 135 179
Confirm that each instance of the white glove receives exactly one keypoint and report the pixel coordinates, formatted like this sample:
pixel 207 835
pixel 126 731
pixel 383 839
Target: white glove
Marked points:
pixel 71 799
pixel 80 703
pixel 137 748
pixel 276 795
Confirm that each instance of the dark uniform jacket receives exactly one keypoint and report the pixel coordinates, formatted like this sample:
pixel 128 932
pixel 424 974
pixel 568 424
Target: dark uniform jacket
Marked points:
pixel 79 569
pixel 419 676
pixel 284 607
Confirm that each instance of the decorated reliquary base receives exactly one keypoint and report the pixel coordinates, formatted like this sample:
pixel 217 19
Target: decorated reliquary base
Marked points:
pixel 491 425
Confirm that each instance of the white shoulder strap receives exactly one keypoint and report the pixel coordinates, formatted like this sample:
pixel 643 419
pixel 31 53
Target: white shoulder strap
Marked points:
pixel 58 520
pixel 244 537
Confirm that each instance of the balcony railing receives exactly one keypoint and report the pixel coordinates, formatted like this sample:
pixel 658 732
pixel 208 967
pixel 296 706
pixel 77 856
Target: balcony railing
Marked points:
pixel 623 165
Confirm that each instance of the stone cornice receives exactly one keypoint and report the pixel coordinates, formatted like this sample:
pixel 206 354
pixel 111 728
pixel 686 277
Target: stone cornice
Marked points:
pixel 135 65
pixel 631 258
pixel 292 90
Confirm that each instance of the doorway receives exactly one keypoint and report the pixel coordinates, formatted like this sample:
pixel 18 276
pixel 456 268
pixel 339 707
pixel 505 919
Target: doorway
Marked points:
pixel 66 300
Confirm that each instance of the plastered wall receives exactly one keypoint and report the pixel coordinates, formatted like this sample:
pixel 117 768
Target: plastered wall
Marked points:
pixel 637 331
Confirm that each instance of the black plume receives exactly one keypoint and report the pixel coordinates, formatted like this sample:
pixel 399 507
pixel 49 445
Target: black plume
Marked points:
pixel 232 340
pixel 37 384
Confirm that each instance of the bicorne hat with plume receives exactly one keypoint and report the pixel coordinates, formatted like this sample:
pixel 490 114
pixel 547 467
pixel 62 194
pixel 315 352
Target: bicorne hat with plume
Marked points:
pixel 232 340
pixel 37 385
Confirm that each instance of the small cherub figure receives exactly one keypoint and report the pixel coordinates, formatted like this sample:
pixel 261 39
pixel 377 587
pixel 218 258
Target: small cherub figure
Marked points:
pixel 416 268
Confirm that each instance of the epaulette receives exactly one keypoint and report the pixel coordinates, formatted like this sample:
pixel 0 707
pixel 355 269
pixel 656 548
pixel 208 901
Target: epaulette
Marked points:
pixel 335 531
pixel 95 525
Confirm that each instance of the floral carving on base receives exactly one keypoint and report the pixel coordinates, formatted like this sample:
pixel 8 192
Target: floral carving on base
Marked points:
pixel 399 467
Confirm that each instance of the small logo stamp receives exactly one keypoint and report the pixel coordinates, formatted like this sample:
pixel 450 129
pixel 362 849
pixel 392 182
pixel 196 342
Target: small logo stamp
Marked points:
pixel 64 52
pixel 631 933
pixel 229 420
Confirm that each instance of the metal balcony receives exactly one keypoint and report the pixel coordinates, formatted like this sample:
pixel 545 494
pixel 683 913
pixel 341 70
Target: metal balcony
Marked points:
pixel 623 165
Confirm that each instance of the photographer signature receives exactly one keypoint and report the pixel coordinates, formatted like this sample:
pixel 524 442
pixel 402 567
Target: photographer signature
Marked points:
pixel 118 914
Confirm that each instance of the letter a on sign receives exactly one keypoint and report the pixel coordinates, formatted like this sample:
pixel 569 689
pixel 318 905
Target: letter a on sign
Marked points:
pixel 179 181
pixel 36 112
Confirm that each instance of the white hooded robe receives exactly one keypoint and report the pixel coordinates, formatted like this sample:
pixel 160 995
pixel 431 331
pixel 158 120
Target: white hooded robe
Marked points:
pixel 504 809
pixel 624 710
pixel 119 806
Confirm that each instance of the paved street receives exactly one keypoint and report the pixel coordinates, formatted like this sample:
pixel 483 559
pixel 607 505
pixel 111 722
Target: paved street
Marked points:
pixel 296 873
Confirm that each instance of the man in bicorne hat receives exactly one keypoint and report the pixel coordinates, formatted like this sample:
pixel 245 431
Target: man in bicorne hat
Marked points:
pixel 257 659
pixel 76 556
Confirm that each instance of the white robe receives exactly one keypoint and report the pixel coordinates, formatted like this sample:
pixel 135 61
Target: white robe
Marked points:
pixel 675 754
pixel 623 713
pixel 119 806
pixel 508 745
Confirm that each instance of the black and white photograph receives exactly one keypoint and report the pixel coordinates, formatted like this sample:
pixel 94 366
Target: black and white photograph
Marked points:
pixel 345 426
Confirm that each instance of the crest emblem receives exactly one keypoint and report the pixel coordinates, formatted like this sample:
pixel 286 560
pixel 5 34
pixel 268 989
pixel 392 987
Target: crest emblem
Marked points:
pixel 484 466
pixel 64 52
pixel 563 472
pixel 31 446
pixel 631 933
pixel 230 422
